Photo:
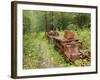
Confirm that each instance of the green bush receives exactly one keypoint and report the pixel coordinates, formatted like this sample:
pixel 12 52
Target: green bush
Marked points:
pixel 85 38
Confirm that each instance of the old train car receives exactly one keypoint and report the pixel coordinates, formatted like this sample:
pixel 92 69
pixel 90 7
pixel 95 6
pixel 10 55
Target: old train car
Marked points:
pixel 70 49
pixel 67 45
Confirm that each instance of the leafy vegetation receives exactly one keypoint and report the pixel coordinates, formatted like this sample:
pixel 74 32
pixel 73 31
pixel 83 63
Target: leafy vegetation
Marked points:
pixel 38 52
pixel 36 45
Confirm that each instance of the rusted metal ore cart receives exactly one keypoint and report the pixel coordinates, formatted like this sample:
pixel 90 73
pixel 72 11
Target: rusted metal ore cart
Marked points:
pixel 67 45
pixel 69 48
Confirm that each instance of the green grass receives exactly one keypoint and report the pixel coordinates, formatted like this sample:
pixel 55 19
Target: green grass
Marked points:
pixel 34 45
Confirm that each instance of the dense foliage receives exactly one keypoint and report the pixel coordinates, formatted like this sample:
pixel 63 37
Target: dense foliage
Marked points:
pixel 45 21
pixel 38 52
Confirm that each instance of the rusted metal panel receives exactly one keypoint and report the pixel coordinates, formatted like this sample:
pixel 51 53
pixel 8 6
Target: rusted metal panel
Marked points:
pixel 69 35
